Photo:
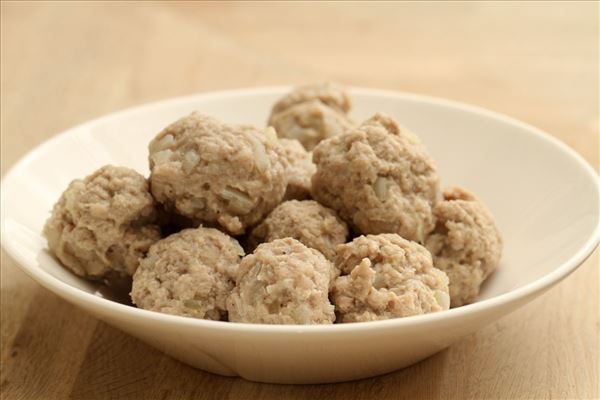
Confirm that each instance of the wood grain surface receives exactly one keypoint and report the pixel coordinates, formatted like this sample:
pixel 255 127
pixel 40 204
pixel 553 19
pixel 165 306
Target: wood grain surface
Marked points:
pixel 64 63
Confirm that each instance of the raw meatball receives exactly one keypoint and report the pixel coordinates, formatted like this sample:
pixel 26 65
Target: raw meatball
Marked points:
pixel 300 170
pixel 282 282
pixel 231 175
pixel 386 276
pixel 311 114
pixel 466 244
pixel 309 222
pixel 103 224
pixel 190 273
pixel 379 178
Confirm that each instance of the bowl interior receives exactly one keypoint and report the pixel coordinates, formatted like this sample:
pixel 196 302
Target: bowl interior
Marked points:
pixel 544 198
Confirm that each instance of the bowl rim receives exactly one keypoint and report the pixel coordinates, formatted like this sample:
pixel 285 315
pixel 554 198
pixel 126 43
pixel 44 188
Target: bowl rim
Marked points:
pixel 72 293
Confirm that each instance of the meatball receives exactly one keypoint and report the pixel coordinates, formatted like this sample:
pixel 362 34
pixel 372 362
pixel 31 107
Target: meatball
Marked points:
pixel 311 114
pixel 385 276
pixel 190 273
pixel 309 123
pixel 379 178
pixel 282 282
pixel 328 93
pixel 215 173
pixel 307 221
pixel 103 224
pixel 466 244
pixel 300 170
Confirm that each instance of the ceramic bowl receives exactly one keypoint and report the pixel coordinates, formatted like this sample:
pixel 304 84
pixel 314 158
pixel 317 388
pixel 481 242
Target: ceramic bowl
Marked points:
pixel 545 198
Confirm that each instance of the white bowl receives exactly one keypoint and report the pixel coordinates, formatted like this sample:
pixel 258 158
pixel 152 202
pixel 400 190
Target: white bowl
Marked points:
pixel 545 198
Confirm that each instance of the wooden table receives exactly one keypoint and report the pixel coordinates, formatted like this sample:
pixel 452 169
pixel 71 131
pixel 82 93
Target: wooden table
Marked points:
pixel 64 63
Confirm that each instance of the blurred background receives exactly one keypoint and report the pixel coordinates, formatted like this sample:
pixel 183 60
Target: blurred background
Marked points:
pixel 78 60
pixel 63 63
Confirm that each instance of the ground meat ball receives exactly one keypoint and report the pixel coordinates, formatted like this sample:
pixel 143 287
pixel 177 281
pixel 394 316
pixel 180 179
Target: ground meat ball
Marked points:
pixel 300 170
pixel 103 224
pixel 190 273
pixel 312 113
pixel 466 244
pixel 379 178
pixel 309 123
pixel 328 93
pixel 309 222
pixel 282 282
pixel 231 175
pixel 385 276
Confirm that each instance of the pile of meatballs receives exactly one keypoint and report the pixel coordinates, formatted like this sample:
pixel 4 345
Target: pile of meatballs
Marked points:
pixel 314 219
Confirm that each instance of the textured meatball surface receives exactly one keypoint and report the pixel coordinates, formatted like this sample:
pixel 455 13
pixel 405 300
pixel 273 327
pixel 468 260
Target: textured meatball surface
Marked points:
pixel 282 282
pixel 385 276
pixel 216 173
pixel 309 123
pixel 300 170
pixel 190 273
pixel 312 113
pixel 103 224
pixel 328 93
pixel 466 243
pixel 379 178
pixel 307 221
